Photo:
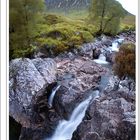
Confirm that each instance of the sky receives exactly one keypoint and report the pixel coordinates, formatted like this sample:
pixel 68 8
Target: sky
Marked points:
pixel 130 5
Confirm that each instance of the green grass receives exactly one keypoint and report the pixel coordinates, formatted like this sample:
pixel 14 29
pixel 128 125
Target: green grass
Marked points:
pixel 73 14
pixel 128 23
pixel 128 20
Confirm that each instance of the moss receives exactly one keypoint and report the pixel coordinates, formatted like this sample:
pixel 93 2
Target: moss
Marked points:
pixel 86 36
pixel 55 45
pixel 62 33
pixel 42 29
pixel 75 41
pixel 25 52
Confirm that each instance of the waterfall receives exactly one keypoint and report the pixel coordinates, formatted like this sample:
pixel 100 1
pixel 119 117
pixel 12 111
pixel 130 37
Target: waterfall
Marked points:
pixel 101 59
pixel 66 128
pixel 114 47
pixel 115 44
pixel 50 101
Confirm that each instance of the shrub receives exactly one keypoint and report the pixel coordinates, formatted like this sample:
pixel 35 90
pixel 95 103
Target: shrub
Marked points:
pixel 125 61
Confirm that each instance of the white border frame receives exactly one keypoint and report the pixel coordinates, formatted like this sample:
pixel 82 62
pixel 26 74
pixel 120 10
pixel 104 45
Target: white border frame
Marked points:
pixel 4 64
pixel 138 73
pixel 4 67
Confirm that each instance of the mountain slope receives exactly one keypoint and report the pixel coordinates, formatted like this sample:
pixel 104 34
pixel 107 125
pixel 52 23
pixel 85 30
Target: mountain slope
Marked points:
pixel 67 4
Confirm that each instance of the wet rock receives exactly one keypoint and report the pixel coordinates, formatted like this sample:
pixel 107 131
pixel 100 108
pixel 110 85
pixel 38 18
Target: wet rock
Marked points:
pixel 110 56
pixel 96 53
pixel 77 79
pixel 87 50
pixel 110 117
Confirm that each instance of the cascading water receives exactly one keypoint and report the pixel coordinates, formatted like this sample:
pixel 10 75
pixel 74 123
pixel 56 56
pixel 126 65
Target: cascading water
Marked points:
pixel 101 59
pixel 65 128
pixel 115 44
pixel 50 101
pixel 113 48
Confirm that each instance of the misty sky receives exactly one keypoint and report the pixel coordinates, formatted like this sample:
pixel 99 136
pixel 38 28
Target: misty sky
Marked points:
pixel 130 5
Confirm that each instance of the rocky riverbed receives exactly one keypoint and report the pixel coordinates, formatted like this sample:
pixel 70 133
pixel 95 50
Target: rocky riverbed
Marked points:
pixel 111 116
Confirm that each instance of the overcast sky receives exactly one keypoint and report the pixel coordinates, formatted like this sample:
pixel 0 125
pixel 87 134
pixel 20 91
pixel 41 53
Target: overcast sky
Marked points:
pixel 130 5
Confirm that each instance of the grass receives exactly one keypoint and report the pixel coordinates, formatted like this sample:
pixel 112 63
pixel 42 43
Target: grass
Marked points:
pixel 128 23
pixel 128 20
pixel 73 14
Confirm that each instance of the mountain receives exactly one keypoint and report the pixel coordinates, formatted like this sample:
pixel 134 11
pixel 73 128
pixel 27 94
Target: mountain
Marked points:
pixel 67 4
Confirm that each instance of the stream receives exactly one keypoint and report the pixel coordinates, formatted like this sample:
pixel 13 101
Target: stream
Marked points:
pixel 65 128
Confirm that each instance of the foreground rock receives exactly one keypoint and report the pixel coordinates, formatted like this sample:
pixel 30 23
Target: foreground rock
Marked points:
pixel 110 117
pixel 31 83
pixel 28 79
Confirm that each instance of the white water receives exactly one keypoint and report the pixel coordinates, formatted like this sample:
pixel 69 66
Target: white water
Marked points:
pixel 50 101
pixel 115 45
pixel 101 59
pixel 113 48
pixel 120 40
pixel 65 128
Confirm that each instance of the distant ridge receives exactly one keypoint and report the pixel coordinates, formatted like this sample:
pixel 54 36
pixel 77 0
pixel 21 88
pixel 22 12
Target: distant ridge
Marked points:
pixel 70 5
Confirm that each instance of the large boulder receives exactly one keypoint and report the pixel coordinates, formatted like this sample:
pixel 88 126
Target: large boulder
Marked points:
pixel 77 78
pixel 87 50
pixel 27 80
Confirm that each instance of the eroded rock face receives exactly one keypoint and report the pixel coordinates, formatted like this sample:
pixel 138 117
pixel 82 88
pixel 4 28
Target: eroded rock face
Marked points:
pixel 77 78
pixel 28 78
pixel 111 116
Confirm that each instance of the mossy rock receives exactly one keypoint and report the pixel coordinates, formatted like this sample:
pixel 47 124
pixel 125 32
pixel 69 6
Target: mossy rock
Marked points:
pixel 86 36
pixel 54 45
pixel 75 41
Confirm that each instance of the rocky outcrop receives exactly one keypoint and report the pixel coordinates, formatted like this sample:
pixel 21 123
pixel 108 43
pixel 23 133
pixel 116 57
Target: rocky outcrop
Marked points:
pixel 77 78
pixel 28 79
pixel 111 116
pixel 129 36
